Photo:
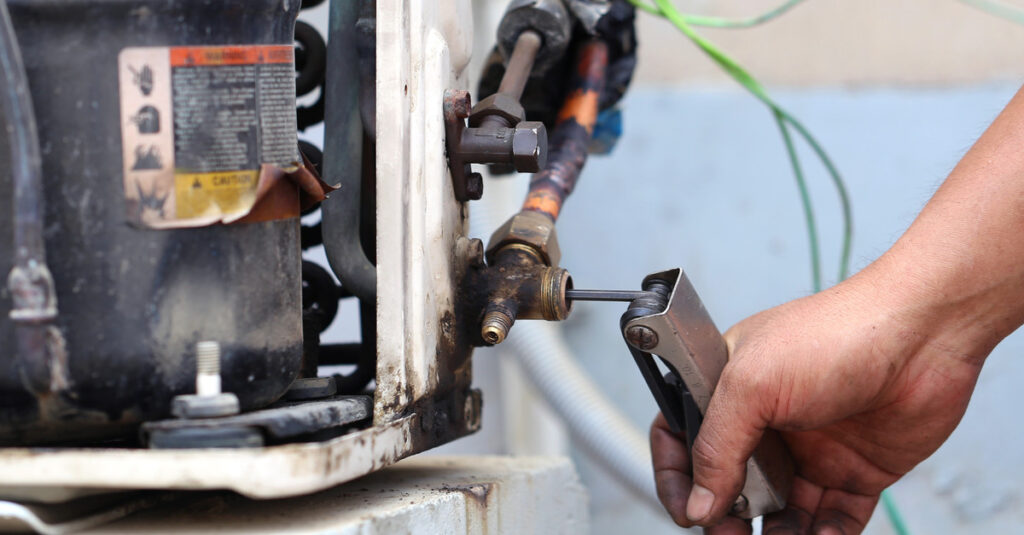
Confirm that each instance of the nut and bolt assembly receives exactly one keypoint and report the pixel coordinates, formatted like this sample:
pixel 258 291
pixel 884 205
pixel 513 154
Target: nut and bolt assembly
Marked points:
pixel 208 401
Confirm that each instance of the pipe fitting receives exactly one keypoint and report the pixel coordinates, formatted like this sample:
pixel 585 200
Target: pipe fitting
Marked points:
pixel 498 319
pixel 529 229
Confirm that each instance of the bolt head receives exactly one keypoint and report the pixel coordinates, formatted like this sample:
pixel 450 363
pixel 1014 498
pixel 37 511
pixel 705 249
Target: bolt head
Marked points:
pixel 195 406
pixel 530 147
pixel 474 186
pixel 642 337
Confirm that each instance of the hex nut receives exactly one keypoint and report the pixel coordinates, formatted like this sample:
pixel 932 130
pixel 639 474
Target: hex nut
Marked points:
pixel 474 186
pixel 527 228
pixel 500 104
pixel 530 147
pixel 194 406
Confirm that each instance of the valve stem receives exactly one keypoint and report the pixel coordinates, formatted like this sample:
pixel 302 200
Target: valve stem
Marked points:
pixel 497 322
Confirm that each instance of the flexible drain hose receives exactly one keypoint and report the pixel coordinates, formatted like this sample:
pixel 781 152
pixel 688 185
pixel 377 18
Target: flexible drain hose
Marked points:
pixel 594 423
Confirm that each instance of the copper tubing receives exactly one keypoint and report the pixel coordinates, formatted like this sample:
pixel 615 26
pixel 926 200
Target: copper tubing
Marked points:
pixel 567 150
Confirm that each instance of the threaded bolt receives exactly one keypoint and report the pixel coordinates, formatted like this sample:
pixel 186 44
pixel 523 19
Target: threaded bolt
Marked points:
pixel 208 368
pixel 496 326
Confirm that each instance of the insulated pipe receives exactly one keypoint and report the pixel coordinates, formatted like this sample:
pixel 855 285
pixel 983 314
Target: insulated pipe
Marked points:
pixel 30 280
pixel 567 151
pixel 343 134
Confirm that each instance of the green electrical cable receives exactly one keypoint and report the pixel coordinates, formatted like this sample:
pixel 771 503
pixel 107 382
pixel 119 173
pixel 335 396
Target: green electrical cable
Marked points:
pixel 718 22
pixel 895 516
pixel 784 120
pixel 737 72
pixel 1011 13
pixel 805 200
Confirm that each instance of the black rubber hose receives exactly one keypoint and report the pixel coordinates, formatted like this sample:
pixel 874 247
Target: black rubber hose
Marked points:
pixel 30 281
pixel 343 136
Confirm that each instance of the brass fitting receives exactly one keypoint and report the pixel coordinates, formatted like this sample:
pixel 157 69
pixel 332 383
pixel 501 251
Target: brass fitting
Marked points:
pixel 524 290
pixel 498 319
pixel 527 230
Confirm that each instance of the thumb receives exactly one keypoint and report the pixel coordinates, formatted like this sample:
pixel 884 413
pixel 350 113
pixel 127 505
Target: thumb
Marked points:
pixel 732 428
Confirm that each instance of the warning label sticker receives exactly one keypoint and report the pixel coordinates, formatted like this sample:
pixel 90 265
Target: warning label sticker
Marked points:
pixel 197 124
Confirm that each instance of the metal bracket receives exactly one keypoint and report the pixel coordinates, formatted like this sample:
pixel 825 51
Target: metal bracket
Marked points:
pixel 469 186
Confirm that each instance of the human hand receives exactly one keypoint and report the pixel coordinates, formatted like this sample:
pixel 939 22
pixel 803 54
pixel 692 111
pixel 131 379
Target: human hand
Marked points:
pixel 864 381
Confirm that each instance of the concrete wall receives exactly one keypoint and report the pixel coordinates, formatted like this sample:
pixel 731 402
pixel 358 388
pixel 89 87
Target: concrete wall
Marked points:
pixel 849 42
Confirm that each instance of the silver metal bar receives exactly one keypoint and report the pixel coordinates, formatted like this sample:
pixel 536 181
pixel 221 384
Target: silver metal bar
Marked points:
pixel 604 295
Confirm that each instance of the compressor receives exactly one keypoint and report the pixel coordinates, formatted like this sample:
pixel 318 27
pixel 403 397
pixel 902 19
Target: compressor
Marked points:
pixel 167 203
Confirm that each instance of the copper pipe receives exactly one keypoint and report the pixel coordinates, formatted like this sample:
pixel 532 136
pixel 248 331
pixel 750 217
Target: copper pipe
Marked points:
pixel 567 150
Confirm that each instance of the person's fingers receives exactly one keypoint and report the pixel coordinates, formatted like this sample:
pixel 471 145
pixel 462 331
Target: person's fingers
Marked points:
pixel 796 518
pixel 730 526
pixel 668 450
pixel 842 513
pixel 731 430
pixel 671 470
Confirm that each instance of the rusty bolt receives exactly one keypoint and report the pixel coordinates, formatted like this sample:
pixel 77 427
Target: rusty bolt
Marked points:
pixel 474 186
pixel 642 337
pixel 460 102
pixel 530 147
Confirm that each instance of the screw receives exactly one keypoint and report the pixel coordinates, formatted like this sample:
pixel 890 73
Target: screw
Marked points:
pixel 474 186
pixel 740 505
pixel 496 326
pixel 208 369
pixel 642 337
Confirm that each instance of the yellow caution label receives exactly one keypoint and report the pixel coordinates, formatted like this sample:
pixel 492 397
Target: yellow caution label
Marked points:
pixel 223 193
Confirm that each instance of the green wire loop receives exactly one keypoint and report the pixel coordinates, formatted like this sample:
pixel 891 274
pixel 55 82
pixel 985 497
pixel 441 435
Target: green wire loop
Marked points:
pixel 719 22
pixel 737 72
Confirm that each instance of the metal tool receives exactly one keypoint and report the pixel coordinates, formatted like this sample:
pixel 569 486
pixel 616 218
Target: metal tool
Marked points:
pixel 604 295
pixel 667 319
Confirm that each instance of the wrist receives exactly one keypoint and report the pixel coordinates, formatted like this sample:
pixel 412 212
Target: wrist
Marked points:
pixel 943 298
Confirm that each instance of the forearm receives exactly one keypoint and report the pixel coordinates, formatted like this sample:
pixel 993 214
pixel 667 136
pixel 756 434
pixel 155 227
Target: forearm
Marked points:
pixel 961 263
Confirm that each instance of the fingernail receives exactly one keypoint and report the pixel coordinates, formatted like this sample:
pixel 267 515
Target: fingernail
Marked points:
pixel 699 504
